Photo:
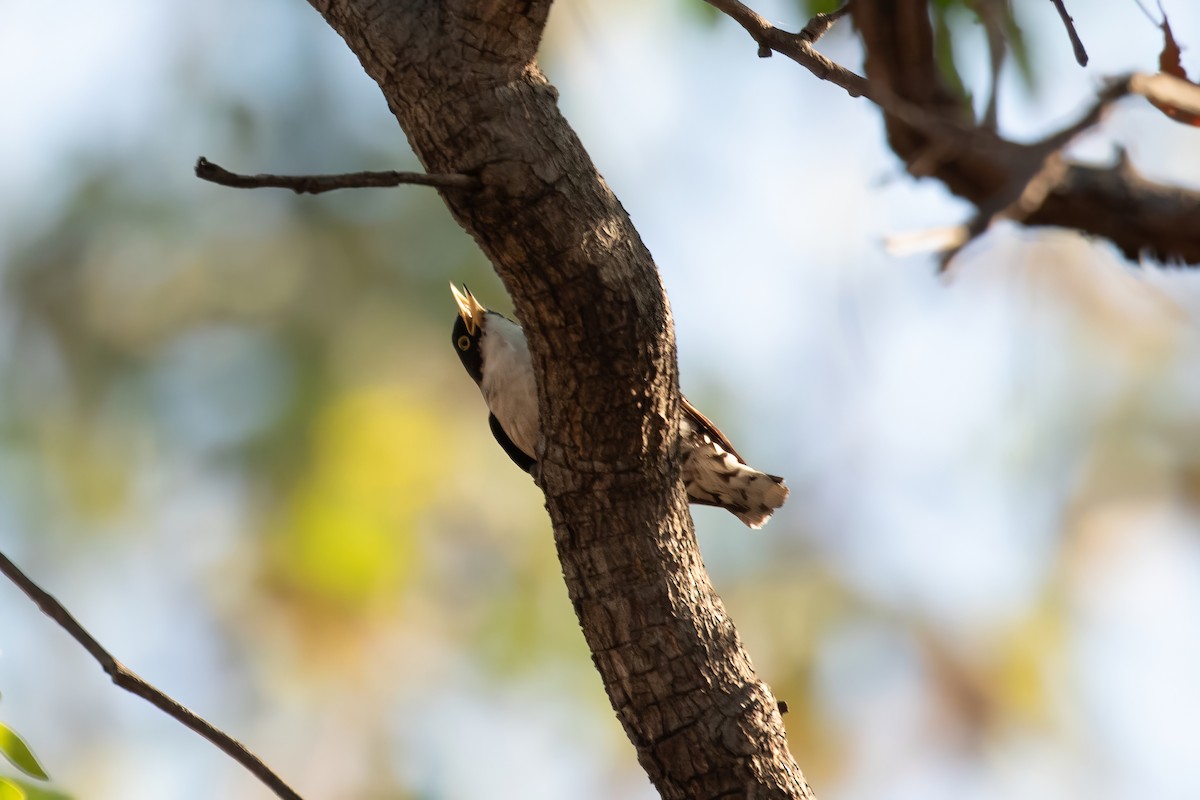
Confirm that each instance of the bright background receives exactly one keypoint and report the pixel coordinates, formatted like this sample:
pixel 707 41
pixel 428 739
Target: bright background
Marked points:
pixel 235 442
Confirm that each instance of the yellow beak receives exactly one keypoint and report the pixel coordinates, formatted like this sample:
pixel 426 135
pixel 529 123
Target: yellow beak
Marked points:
pixel 470 309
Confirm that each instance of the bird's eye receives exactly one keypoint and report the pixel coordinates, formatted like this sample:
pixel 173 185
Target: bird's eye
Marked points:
pixel 464 343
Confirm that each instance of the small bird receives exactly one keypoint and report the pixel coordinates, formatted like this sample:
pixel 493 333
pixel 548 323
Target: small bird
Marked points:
pixel 496 355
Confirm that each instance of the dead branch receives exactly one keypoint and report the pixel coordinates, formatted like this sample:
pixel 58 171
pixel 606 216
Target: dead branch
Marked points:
pixel 316 184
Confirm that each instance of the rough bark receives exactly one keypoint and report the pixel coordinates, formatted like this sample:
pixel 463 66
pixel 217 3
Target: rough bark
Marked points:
pixel 462 80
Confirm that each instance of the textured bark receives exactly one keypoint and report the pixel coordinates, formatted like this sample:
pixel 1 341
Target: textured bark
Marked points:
pixel 462 79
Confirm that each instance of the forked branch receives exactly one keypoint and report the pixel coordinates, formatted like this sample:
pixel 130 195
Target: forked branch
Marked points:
pixel 129 681
pixel 931 130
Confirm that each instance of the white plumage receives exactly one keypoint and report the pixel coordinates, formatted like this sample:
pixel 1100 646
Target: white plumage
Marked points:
pixel 495 353
pixel 508 386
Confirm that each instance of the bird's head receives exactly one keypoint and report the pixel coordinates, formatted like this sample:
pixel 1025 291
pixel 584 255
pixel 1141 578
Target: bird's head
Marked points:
pixel 487 341
pixel 468 331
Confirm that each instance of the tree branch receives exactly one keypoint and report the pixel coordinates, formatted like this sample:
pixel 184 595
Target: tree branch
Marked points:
pixel 1033 180
pixel 131 682
pixel 463 81
pixel 1139 216
pixel 316 184
pixel 1081 55
pixel 755 24
pixel 820 24
pixel 796 46
pixel 1167 90
pixel 942 117
pixel 930 129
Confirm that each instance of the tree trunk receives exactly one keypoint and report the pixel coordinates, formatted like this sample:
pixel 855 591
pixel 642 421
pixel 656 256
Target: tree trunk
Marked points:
pixel 462 79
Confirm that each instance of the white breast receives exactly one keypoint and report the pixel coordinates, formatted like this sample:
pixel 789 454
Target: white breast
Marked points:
pixel 508 386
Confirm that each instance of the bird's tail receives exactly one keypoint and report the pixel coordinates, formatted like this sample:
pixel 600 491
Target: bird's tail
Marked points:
pixel 764 494
pixel 716 478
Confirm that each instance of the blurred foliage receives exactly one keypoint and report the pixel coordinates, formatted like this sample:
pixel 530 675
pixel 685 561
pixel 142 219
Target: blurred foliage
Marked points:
pixel 954 27
pixel 24 790
pixel 347 532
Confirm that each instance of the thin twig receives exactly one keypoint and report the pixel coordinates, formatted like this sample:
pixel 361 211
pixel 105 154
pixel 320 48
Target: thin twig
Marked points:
pixel 798 48
pixel 130 682
pixel 793 45
pixel 819 25
pixel 948 131
pixel 1044 172
pixel 1076 43
pixel 316 184
pixel 1113 90
pixel 929 240
pixel 755 24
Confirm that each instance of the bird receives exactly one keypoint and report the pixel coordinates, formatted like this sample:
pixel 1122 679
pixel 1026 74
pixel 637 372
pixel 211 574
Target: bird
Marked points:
pixel 495 353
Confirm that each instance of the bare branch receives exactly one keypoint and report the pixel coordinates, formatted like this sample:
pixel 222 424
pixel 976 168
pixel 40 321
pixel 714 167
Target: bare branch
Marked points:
pixel 819 25
pixel 929 128
pixel 316 184
pixel 929 240
pixel 1115 89
pixel 1167 90
pixel 796 46
pixel 1032 181
pixel 131 682
pixel 1020 200
pixel 1139 216
pixel 755 24
pixel 1076 43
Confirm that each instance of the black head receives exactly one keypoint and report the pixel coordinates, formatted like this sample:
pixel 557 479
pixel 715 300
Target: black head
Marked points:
pixel 468 330
pixel 466 344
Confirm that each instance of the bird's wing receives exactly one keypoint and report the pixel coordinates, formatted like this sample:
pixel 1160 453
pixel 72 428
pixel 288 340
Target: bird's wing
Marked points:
pixel 704 425
pixel 515 453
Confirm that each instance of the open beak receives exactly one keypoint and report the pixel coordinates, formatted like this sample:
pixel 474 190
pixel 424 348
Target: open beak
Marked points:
pixel 470 309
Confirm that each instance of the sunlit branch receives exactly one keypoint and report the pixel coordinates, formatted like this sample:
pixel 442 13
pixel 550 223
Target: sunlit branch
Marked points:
pixel 819 25
pixel 316 184
pixel 796 46
pixel 130 682
pixel 1167 90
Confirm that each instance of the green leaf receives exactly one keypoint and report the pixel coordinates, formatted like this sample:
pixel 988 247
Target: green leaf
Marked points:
pixel 814 7
pixel 15 750
pixel 10 791
pixel 943 48
pixel 34 791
